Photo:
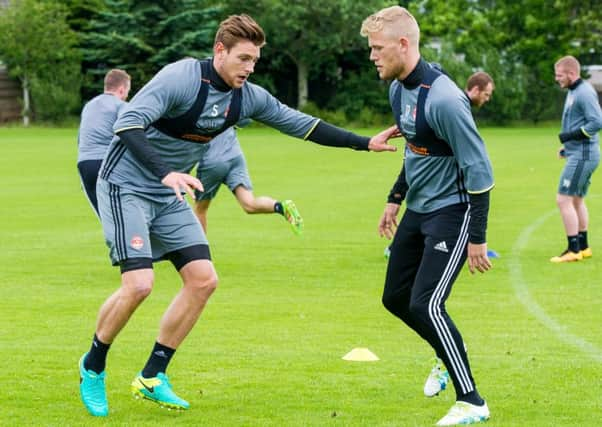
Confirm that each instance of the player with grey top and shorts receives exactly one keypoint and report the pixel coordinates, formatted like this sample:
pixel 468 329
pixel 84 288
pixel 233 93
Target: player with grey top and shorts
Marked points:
pixel 581 122
pixel 96 129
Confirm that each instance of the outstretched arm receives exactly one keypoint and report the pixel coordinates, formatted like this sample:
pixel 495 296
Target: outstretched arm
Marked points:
pixel 326 134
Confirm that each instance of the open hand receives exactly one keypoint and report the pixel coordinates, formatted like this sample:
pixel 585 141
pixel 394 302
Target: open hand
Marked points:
pixel 477 258
pixel 388 221
pixel 379 142
pixel 182 182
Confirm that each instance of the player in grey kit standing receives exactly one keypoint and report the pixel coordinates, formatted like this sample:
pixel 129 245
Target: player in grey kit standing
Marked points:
pixel 224 163
pixel 445 182
pixel 581 122
pixel 96 129
pixel 141 188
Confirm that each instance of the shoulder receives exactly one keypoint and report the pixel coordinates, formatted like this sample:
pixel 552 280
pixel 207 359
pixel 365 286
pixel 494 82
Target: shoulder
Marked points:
pixel 587 89
pixel 446 94
pixel 100 102
pixel 180 71
pixel 254 90
pixel 255 96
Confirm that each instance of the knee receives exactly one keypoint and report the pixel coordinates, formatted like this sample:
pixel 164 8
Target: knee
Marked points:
pixel 203 286
pixel 248 206
pixel 563 201
pixel 418 309
pixel 139 288
pixel 389 303
pixel 394 303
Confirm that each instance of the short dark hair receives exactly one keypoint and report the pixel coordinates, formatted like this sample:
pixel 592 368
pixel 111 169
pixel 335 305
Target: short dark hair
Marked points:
pixel 239 27
pixel 479 79
pixel 116 78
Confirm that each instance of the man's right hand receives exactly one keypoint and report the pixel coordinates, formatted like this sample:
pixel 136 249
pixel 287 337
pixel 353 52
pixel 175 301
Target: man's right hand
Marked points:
pixel 182 181
pixel 388 221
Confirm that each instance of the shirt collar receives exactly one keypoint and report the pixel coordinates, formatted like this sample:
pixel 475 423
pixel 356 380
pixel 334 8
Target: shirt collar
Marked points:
pixel 216 81
pixel 575 84
pixel 414 79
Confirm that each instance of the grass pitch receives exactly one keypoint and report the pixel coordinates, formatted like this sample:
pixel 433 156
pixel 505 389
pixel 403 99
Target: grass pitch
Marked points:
pixel 267 350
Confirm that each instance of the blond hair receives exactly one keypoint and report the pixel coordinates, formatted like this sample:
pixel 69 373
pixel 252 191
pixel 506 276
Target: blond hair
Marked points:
pixel 395 21
pixel 116 78
pixel 236 28
pixel 569 63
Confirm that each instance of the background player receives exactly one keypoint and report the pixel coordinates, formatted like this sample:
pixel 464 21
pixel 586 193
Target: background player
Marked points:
pixel 96 129
pixel 581 121
pixel 224 163
pixel 479 88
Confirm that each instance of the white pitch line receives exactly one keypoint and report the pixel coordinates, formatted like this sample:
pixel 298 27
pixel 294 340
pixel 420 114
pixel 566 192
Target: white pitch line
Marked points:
pixel 522 293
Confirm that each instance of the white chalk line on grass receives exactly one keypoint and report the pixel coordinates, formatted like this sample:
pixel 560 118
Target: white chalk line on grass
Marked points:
pixel 522 293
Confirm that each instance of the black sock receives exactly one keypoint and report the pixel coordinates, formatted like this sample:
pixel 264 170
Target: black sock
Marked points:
pixel 573 243
pixel 583 240
pixel 473 397
pixel 96 359
pixel 158 360
pixel 278 208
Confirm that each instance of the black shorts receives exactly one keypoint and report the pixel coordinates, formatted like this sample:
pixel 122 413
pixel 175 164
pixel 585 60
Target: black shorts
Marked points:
pixel 88 173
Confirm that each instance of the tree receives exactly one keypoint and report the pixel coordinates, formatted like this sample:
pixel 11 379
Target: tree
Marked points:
pixel 142 36
pixel 37 45
pixel 517 43
pixel 310 34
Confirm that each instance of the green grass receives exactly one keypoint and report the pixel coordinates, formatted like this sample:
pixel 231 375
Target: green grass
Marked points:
pixel 267 350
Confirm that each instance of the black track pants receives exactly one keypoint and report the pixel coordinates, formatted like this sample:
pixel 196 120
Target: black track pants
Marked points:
pixel 427 254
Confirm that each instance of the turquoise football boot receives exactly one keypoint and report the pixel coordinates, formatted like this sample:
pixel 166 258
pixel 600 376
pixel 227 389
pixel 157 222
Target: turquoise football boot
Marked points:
pixel 92 390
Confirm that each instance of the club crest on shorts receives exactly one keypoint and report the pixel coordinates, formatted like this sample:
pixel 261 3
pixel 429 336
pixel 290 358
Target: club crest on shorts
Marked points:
pixel 137 242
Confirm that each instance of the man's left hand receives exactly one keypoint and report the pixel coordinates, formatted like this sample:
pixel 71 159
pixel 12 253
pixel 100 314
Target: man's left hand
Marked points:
pixel 477 258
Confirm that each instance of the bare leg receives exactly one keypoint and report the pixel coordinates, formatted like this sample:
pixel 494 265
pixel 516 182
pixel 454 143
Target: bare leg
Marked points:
pixel 582 213
pixel 252 204
pixel 200 280
pixel 200 210
pixel 136 285
pixel 568 214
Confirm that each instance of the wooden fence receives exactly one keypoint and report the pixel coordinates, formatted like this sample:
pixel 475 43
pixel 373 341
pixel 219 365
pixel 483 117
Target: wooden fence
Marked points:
pixel 10 97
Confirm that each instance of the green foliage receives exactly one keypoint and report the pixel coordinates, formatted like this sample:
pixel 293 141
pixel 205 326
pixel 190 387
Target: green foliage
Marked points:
pixel 316 46
pixel 364 81
pixel 142 36
pixel 335 117
pixel 313 36
pixel 54 96
pixel 38 47
pixel 517 43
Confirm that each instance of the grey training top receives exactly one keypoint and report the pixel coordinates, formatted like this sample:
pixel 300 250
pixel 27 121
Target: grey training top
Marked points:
pixel 172 92
pixel 222 148
pixel 438 181
pixel 96 126
pixel 582 112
